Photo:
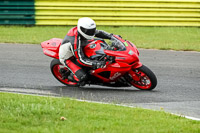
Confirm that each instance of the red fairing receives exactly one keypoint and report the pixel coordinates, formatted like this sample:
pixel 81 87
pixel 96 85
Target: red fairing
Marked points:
pixel 92 47
pixel 51 47
pixel 117 70
pixel 129 56
pixel 134 47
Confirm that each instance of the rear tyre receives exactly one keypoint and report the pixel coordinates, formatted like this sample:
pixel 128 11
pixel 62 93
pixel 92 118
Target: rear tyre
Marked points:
pixel 142 78
pixel 55 67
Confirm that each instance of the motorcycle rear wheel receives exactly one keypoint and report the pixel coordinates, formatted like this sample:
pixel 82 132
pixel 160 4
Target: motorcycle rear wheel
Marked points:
pixel 142 78
pixel 55 66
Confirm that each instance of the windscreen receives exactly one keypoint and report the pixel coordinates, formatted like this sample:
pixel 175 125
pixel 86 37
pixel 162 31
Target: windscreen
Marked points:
pixel 118 44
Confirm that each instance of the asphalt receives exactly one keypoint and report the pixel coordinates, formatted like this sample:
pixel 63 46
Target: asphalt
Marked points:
pixel 24 68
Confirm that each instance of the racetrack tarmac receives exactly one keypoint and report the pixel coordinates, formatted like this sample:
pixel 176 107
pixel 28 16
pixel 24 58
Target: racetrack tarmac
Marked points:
pixel 24 68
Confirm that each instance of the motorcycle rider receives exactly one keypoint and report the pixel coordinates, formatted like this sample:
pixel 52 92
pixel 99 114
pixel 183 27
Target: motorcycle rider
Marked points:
pixel 71 50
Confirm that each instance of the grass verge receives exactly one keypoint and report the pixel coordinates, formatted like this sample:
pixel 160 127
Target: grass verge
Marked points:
pixel 176 38
pixel 24 113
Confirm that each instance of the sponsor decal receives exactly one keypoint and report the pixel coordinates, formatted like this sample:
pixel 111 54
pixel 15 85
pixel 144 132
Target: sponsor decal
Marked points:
pixel 126 44
pixel 122 58
pixel 131 52
pixel 117 74
pixel 49 52
pixel 92 24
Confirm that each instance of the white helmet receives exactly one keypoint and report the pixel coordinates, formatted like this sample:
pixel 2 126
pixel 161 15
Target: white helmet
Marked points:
pixel 86 27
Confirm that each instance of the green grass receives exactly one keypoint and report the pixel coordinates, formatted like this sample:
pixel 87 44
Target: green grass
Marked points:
pixel 176 38
pixel 24 114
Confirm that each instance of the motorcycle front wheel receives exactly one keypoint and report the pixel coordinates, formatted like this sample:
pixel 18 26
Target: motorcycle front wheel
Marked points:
pixel 142 78
pixel 55 67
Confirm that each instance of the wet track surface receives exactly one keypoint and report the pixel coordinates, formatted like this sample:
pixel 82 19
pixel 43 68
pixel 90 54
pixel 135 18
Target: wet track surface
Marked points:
pixel 24 68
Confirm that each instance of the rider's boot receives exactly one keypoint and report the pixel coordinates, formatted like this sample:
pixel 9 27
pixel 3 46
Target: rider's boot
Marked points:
pixel 73 78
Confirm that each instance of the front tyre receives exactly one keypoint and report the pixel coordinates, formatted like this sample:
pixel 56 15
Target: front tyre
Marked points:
pixel 142 78
pixel 55 67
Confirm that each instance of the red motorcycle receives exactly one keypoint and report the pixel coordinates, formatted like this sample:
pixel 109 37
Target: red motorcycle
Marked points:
pixel 122 69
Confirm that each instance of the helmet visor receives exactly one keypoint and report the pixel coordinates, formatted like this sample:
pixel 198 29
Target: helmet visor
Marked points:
pixel 89 32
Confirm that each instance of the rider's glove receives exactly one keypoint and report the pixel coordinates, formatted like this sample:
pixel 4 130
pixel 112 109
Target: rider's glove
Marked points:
pixel 99 64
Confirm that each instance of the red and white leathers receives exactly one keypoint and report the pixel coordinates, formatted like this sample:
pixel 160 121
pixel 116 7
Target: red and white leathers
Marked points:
pixel 72 45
